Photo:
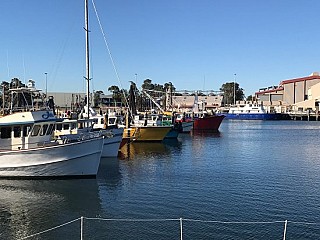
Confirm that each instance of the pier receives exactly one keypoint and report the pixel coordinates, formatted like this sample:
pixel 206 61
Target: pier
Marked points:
pixel 305 116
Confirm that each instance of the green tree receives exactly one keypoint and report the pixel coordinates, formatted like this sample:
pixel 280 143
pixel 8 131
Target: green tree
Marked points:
pixel 147 84
pixel 116 93
pixel 119 96
pixel 231 92
pixel 96 98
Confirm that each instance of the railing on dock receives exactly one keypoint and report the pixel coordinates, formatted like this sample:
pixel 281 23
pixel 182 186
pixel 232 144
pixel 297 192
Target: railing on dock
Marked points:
pixel 305 116
pixel 181 221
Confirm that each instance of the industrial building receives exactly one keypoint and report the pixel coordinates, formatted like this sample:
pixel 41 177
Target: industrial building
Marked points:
pixel 298 94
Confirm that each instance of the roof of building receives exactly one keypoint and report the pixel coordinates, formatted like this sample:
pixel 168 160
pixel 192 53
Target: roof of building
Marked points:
pixel 280 88
pixel 313 76
pixel 300 79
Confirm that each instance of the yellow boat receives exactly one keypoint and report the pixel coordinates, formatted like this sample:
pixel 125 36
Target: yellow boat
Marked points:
pixel 146 133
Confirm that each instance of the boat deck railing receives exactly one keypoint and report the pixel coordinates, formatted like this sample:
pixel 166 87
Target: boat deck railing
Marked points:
pixel 181 222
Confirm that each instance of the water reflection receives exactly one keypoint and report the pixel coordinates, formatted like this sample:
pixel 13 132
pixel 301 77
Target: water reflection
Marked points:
pixel 136 149
pixel 31 206
pixel 214 134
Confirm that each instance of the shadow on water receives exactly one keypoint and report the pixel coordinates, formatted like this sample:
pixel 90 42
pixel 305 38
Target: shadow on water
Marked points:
pixel 109 173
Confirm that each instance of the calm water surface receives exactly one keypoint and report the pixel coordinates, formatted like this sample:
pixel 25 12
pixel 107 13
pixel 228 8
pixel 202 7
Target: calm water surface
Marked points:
pixel 251 171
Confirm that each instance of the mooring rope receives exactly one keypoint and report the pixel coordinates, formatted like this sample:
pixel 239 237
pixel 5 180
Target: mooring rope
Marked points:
pixel 166 219
pixel 227 222
pixel 50 229
pixel 132 220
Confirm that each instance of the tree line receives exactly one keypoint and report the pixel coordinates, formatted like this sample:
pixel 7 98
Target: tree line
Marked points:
pixel 231 92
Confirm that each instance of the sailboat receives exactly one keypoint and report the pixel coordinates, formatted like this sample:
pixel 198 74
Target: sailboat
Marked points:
pixel 112 137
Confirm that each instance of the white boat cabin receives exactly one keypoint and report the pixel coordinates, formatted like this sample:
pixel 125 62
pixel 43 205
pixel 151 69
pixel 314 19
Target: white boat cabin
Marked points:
pixel 253 108
pixel 25 130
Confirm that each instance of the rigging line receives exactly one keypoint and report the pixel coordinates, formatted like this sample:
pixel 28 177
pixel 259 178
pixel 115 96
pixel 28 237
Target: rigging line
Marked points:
pixel 109 52
pixel 60 53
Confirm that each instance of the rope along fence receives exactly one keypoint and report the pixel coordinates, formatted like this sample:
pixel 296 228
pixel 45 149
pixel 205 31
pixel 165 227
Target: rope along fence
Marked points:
pixel 181 221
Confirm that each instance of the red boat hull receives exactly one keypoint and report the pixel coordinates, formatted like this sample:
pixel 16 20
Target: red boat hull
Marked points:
pixel 208 123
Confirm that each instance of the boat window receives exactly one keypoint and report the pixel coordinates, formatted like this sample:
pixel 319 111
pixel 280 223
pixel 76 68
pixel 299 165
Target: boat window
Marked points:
pixel 59 126
pixel 17 131
pixel 44 129
pixel 5 132
pixel 65 126
pixel 35 131
pixel 102 121
pixel 26 130
pixel 95 120
pixel 112 121
pixel 73 126
pixel 50 129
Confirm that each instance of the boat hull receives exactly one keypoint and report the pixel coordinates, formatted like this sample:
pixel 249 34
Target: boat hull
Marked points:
pixel 146 133
pixel 187 126
pixel 111 142
pixel 76 159
pixel 208 123
pixel 254 116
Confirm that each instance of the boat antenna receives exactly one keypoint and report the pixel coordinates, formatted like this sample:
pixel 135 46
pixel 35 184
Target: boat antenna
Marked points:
pixel 87 77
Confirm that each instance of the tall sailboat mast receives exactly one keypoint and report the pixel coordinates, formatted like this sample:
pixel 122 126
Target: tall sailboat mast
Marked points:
pixel 87 77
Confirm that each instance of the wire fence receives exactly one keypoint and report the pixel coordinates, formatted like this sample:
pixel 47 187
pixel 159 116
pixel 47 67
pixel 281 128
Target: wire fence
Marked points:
pixel 180 228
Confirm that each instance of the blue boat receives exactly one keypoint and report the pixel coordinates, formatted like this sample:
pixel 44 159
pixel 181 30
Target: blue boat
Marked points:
pixel 252 111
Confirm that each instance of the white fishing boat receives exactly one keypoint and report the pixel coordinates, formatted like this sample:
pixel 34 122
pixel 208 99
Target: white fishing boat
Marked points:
pixel 28 149
pixel 107 127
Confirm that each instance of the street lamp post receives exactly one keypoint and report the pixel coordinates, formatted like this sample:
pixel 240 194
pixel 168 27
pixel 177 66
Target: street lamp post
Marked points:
pixel 234 90
pixel 46 85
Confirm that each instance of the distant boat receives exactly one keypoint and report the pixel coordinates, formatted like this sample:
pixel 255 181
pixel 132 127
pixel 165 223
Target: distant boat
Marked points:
pixel 146 128
pixel 251 111
pixel 205 122
pixel 186 122
pixel 199 118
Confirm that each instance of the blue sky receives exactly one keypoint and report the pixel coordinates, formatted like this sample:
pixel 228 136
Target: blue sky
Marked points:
pixel 196 45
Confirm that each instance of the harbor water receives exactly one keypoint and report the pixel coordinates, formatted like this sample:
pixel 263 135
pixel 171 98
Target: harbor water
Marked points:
pixel 241 183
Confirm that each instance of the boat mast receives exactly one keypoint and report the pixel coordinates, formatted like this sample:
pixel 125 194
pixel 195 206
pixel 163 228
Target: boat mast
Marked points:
pixel 87 77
